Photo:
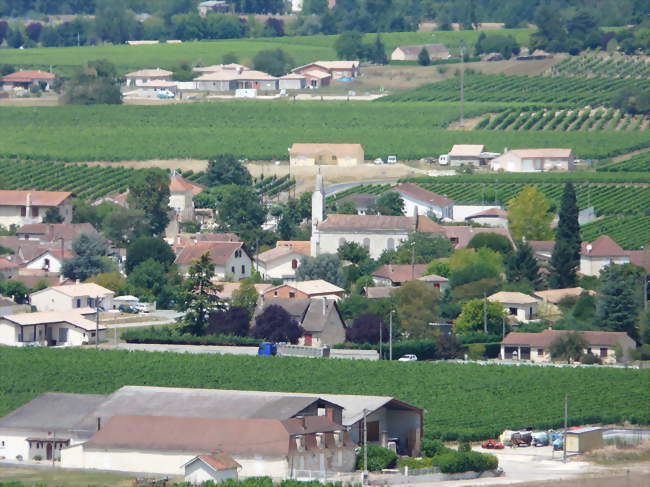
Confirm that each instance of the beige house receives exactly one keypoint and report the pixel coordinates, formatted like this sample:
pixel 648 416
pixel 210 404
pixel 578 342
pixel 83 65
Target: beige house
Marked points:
pixel 230 258
pixel 326 155
pixel 25 78
pixel 231 80
pixel 596 255
pixel 292 81
pixel 282 261
pixel 22 207
pixel 410 53
pixel 50 328
pixel 518 305
pixel 535 347
pixel 335 69
pixel 139 78
pixel 71 297
pixel 534 160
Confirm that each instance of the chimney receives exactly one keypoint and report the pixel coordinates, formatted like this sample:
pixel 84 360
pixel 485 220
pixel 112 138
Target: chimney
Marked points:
pixel 99 423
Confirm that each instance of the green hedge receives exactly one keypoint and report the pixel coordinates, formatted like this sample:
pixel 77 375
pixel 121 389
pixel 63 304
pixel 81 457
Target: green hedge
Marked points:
pixel 167 335
pixel 457 462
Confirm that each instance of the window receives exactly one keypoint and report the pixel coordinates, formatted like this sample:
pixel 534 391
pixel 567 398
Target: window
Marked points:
pixel 78 303
pixel 373 430
pixel 34 210
pixel 23 211
pixel 232 269
pixel 603 353
pixel 243 269
pixel 275 293
pixel 46 263
pixel 589 352
pixel 512 311
pixel 292 294
pixel 540 352
pixel 294 264
pixel 333 157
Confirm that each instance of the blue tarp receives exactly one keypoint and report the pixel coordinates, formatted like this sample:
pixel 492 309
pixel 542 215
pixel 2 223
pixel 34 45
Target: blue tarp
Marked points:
pixel 345 79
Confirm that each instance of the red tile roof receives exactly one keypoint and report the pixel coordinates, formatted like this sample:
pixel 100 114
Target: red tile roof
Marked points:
pixel 603 246
pixel 399 273
pixel 50 232
pixel 219 252
pixel 7 264
pixel 419 193
pixel 368 222
pixel 179 184
pixel 302 246
pixel 219 461
pixel 541 245
pixel 546 337
pixel 27 76
pixel 640 258
pixel 38 198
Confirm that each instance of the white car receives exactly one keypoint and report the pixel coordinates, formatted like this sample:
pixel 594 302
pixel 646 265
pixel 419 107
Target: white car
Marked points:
pixel 379 160
pixel 409 357
pixel 391 160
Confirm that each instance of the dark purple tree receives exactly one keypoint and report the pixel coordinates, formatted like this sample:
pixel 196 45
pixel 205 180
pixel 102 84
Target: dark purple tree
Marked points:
pixel 33 31
pixel 365 329
pixel 274 27
pixel 233 321
pixel 276 325
pixel 4 28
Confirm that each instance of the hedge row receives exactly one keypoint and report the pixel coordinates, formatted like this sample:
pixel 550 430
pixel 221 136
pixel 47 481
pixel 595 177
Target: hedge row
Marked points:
pixel 167 335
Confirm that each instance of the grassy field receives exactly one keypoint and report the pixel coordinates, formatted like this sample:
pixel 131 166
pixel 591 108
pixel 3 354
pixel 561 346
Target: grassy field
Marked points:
pixel 264 130
pixel 467 399
pixel 302 49
pixel 62 477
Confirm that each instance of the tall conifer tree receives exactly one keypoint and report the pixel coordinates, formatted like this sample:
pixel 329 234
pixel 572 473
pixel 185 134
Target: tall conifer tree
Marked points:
pixel 565 260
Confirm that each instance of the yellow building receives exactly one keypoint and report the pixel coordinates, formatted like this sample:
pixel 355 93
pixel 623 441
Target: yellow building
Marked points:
pixel 584 439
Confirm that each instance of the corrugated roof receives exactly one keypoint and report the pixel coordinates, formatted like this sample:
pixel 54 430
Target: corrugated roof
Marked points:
pixel 301 149
pixel 512 297
pixel 368 223
pixel 546 337
pixel 53 411
pixel 233 435
pixel 219 252
pixel 38 198
pixel 47 317
pixel 542 153
pixel 471 150
pixel 421 194
pixel 149 73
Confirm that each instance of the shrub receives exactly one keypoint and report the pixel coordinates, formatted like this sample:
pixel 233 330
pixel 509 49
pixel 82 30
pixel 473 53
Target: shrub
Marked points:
pixel 431 448
pixel 411 462
pixel 457 461
pixel 378 458
pixel 168 335
pixel 590 359
pixel 642 353
pixel 476 351
pixel 38 458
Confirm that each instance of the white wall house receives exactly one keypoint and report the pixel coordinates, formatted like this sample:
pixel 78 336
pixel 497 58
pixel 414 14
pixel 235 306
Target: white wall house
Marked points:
pixel 518 305
pixel 215 467
pixel 534 160
pixel 230 258
pixel 23 207
pixel 282 262
pixel 419 201
pixel 71 297
pixel 49 328
pixel 600 253
pixel 143 76
pixel 49 261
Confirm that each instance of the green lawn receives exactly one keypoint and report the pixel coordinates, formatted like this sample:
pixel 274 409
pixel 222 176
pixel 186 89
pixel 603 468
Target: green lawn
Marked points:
pixel 302 49
pixel 264 130
pixel 62 477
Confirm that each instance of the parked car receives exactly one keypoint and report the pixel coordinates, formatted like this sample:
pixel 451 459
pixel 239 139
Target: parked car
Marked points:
pixel 391 160
pixel 492 444
pixel 379 160
pixel 125 308
pixel 409 357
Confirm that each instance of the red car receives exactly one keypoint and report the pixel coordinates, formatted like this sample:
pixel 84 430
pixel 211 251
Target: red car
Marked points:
pixel 492 444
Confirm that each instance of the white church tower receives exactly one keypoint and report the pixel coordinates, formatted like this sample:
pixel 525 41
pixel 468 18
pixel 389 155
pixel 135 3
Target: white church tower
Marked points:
pixel 317 213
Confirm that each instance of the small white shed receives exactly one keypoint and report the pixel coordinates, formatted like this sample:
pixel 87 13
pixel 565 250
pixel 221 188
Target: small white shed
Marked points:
pixel 214 467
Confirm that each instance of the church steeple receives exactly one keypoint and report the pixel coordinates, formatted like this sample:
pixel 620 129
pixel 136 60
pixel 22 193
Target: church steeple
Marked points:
pixel 317 212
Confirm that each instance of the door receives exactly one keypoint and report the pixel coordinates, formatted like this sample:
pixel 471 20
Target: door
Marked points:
pixel 48 451
pixel 308 340
pixel 48 335
pixel 63 335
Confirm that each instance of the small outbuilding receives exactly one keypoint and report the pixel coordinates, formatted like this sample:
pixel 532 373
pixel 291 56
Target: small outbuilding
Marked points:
pixel 215 467
pixel 326 154
pixel 582 440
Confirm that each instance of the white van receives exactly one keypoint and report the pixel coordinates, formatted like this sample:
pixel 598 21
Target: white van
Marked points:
pixel 391 160
pixel 443 160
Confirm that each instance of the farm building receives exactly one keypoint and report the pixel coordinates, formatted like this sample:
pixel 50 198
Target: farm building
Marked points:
pixel 319 318
pixel 410 53
pixel 583 440
pixel 535 347
pixel 282 261
pixel 533 160
pixel 26 78
pixel 261 446
pixel 518 305
pixel 419 201
pixel 22 207
pixel 335 69
pixel 326 154
pixel 375 232
pixel 316 288
pixel 214 467
pixel 139 78
pixel 71 297
pixel 47 329
pixel 230 258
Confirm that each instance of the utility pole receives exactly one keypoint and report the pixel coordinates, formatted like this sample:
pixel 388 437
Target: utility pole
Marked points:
pixel 566 425
pixel 503 326
pixel 390 336
pixel 462 84
pixel 484 313
pixel 96 322
pixel 381 326
pixel 413 260
pixel 365 446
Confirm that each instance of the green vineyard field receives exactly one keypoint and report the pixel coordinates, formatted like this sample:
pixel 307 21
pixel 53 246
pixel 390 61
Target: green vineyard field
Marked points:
pixel 589 65
pixel 630 232
pixel 637 163
pixel 85 181
pixel 458 399
pixel 261 130
pixel 565 91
